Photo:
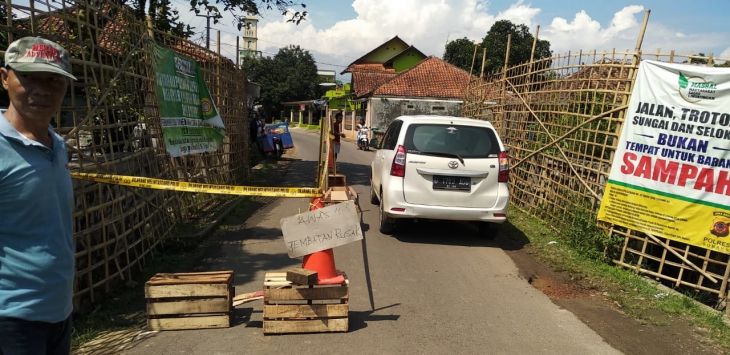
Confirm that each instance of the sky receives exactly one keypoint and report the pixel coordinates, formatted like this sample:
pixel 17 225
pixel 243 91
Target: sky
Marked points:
pixel 337 32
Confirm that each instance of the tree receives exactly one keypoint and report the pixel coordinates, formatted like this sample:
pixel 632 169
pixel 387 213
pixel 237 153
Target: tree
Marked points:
pixel 496 44
pixel 215 8
pixel 290 75
pixel 459 52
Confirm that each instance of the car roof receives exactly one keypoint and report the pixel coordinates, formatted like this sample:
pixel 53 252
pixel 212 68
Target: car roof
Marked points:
pixel 444 120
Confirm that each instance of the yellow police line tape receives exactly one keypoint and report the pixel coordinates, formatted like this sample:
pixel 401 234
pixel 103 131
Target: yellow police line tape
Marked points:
pixel 172 185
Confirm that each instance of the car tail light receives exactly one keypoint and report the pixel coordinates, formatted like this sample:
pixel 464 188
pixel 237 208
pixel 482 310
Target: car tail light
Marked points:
pixel 503 167
pixel 399 162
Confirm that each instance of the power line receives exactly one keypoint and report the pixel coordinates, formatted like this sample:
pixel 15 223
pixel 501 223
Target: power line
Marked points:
pixel 270 53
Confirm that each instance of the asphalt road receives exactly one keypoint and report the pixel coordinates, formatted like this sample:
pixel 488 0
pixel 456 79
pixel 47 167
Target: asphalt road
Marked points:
pixel 438 287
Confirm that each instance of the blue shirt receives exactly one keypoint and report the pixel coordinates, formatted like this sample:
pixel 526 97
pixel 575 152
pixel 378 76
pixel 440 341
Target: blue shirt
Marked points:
pixel 36 232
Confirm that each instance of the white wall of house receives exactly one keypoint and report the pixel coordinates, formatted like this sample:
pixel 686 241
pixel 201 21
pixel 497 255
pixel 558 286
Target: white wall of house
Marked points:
pixel 382 110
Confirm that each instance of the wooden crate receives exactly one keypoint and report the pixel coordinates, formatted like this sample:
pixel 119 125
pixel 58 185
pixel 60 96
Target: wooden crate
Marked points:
pixel 290 308
pixel 189 300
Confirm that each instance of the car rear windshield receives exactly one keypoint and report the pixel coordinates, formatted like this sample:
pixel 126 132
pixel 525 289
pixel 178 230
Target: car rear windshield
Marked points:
pixel 460 140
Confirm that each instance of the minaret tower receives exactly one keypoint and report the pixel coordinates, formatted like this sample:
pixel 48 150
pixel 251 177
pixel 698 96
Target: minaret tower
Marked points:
pixel 249 39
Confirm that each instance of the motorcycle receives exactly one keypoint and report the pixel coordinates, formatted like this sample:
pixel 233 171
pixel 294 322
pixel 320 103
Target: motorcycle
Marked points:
pixel 362 138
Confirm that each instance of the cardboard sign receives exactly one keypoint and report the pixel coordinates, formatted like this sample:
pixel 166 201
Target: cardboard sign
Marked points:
pixel 321 229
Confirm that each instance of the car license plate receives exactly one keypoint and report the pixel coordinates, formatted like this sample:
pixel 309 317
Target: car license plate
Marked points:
pixel 460 183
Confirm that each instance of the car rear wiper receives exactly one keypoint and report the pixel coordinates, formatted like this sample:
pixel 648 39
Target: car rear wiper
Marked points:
pixel 443 154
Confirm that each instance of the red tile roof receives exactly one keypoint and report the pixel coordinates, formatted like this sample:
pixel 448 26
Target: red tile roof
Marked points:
pixel 432 77
pixel 370 67
pixel 363 82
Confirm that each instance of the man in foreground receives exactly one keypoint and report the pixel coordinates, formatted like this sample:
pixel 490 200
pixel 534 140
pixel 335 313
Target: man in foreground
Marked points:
pixel 36 202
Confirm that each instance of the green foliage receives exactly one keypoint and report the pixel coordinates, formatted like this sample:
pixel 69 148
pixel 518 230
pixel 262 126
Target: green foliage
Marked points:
pixel 240 8
pixel 290 75
pixel 459 52
pixel 521 45
pixel 164 17
pixel 162 13
pixel 587 238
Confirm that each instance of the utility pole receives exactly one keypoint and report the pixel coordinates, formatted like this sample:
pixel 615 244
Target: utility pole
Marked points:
pixel 207 29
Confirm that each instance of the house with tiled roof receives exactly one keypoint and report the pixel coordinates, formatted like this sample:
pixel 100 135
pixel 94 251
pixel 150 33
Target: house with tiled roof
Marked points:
pixel 397 79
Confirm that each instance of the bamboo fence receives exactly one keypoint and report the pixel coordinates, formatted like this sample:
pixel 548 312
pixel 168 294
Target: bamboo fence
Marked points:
pixel 110 122
pixel 561 118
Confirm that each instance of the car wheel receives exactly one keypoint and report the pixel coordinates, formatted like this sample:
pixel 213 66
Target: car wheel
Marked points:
pixel 488 230
pixel 373 197
pixel 387 224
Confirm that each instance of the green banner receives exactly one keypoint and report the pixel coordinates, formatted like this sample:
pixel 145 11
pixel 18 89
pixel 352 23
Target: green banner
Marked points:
pixel 190 121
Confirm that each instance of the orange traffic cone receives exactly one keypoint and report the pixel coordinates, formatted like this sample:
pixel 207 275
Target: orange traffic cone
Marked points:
pixel 323 262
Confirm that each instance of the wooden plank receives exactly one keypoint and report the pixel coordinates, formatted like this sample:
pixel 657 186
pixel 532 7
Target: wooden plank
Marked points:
pixel 276 274
pixel 192 290
pixel 189 278
pixel 305 326
pixel 320 293
pixel 301 276
pixel 214 321
pixel 277 283
pixel 339 196
pixel 305 310
pixel 206 305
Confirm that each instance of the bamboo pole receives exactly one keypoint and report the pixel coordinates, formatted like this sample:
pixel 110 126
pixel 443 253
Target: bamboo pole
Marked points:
pixel 506 53
pixel 473 59
pixel 534 45
pixel 683 258
pixel 9 18
pixel 640 38
pixel 218 69
pixel 238 57
pixel 566 134
pixel 484 61
pixel 547 131
pixel 32 18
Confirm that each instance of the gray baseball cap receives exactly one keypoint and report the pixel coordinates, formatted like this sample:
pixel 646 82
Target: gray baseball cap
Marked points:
pixel 35 54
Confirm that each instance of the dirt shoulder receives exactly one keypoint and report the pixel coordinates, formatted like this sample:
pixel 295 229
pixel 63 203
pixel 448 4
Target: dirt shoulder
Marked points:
pixel 584 297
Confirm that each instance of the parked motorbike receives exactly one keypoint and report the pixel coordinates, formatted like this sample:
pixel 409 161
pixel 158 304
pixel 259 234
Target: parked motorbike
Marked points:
pixel 362 139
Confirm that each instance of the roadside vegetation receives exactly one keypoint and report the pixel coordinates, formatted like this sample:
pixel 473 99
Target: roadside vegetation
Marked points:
pixel 584 252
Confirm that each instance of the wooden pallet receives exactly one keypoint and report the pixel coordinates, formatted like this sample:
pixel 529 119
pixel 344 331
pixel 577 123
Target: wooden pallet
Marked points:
pixel 290 308
pixel 189 300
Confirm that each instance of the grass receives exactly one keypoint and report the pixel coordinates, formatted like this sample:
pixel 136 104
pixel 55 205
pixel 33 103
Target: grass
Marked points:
pixel 636 295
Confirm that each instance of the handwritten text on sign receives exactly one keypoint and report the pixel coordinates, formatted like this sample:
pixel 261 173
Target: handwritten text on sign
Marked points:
pixel 321 229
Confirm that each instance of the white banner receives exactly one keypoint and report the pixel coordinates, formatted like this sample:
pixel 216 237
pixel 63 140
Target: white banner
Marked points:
pixel 671 172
